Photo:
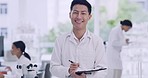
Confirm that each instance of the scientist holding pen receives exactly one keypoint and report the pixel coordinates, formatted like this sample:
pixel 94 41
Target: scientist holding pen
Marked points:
pixel 115 42
pixel 79 49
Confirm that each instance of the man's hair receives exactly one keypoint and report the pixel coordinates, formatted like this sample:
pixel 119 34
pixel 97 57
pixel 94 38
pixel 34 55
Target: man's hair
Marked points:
pixel 126 22
pixel 81 2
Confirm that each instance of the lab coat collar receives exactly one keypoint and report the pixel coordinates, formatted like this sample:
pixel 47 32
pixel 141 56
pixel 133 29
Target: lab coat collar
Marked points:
pixel 21 58
pixel 120 28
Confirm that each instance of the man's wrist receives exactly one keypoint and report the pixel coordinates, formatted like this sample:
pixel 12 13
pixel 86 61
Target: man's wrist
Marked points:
pixel 68 73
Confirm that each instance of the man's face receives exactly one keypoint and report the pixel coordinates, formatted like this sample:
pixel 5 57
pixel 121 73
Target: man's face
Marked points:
pixel 79 16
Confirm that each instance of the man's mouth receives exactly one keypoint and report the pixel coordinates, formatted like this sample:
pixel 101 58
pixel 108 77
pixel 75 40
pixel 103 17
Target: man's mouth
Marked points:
pixel 79 21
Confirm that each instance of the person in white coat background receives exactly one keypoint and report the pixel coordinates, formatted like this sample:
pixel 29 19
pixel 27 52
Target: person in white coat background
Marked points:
pixel 115 42
pixel 23 58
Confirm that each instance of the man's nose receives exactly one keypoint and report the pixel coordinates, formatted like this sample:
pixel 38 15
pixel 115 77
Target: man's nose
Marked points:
pixel 79 16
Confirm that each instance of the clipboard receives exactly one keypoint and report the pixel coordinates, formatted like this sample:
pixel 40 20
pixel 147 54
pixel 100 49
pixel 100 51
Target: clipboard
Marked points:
pixel 90 71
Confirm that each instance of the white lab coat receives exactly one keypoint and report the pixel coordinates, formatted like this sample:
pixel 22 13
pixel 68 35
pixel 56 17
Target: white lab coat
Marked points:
pixel 115 42
pixel 89 53
pixel 17 73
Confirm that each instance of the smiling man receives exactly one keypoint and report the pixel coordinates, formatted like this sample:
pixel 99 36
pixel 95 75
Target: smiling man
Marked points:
pixel 79 49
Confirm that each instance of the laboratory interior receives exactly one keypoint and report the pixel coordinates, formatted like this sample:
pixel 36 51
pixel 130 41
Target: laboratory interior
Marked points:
pixel 39 22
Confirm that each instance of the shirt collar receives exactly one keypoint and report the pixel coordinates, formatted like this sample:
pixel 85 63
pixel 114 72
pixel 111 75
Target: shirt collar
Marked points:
pixel 72 36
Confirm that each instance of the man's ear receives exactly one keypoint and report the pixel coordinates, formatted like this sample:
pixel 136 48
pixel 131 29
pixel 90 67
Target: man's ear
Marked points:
pixel 90 16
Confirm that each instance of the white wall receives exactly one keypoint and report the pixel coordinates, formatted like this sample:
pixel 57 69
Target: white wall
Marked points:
pixel 37 14
pixel 9 20
pixel 22 14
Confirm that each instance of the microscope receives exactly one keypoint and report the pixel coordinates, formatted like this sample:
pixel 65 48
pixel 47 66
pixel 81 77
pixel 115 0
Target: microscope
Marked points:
pixel 28 71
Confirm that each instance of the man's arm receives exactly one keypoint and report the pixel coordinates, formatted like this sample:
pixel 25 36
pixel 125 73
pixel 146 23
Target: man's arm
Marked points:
pixel 56 68
pixel 72 70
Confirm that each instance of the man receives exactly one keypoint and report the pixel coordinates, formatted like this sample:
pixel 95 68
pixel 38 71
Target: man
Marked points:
pixel 79 49
pixel 115 42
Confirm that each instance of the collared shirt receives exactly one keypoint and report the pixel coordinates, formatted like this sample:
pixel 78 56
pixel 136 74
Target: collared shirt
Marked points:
pixel 89 52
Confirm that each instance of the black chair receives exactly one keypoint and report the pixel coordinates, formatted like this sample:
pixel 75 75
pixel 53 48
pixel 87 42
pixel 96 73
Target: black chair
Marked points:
pixel 47 72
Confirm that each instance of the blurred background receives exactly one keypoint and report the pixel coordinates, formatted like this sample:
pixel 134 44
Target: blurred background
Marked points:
pixel 39 22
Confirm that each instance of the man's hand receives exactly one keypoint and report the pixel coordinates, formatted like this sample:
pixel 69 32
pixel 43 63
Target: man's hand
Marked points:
pixel 72 70
pixel 79 76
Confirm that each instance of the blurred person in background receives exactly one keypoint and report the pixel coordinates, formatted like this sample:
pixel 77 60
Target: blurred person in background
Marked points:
pixel 115 42
pixel 18 50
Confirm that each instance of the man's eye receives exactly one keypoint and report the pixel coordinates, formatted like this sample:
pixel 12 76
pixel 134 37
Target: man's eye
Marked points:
pixel 83 13
pixel 75 12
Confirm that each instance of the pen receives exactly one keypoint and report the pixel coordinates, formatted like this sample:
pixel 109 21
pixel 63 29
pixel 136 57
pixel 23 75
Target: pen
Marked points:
pixel 71 61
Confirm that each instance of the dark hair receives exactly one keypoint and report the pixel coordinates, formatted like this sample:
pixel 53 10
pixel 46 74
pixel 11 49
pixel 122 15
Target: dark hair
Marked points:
pixel 22 46
pixel 126 22
pixel 82 2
